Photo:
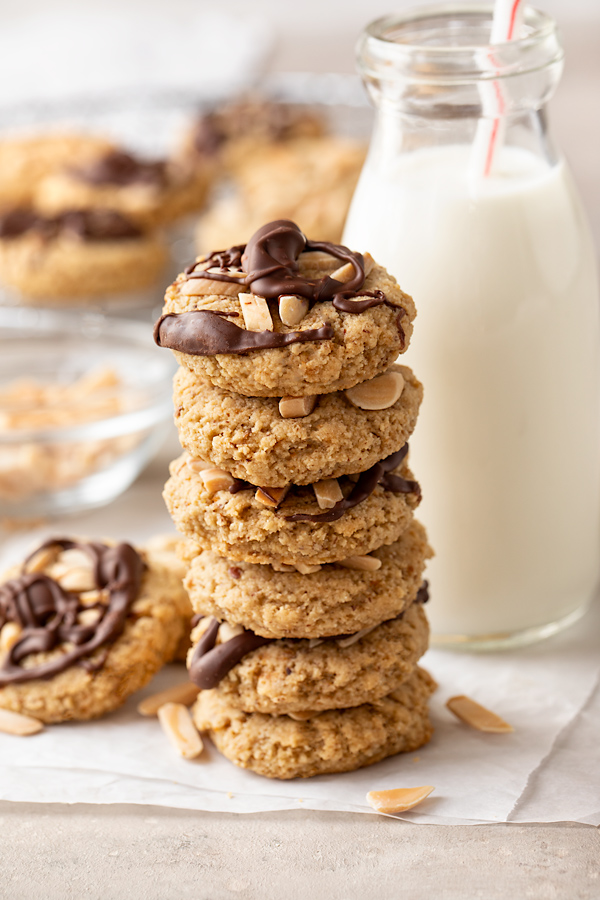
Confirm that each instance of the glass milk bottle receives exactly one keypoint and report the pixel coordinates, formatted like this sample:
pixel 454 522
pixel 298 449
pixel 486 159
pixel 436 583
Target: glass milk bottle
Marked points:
pixel 506 342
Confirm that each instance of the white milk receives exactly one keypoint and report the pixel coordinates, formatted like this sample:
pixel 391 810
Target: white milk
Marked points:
pixel 507 445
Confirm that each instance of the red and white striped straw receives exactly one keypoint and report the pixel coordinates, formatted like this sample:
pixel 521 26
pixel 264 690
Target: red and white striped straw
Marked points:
pixel 505 25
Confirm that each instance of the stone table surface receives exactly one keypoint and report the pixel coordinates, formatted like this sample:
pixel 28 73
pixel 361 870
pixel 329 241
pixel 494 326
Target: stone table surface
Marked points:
pixel 109 852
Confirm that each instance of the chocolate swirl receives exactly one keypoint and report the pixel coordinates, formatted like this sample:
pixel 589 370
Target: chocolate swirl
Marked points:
pixel 48 613
pixel 270 261
pixel 122 169
pixel 84 224
pixel 379 474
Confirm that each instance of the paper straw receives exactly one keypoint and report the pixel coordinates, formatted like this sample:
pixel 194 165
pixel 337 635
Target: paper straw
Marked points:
pixel 488 136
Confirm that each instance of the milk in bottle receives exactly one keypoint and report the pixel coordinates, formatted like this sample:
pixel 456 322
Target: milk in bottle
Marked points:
pixel 506 342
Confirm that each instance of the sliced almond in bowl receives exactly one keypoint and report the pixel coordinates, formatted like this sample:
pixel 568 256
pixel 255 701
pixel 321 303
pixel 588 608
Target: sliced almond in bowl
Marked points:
pixel 472 713
pixel 399 799
pixel 378 393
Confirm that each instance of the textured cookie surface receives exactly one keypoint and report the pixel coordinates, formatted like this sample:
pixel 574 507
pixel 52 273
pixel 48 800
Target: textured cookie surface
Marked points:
pixel 334 600
pixel 249 438
pixel 69 268
pixel 240 527
pixel 288 676
pixel 153 630
pixel 333 741
pixel 363 344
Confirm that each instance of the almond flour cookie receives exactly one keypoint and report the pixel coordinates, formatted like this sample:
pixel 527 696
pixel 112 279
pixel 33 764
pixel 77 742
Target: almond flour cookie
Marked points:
pixel 332 741
pixel 250 438
pixel 225 317
pixel 289 677
pixel 83 626
pixel 332 600
pixel 310 181
pixel 374 511
pixel 77 254
pixel 25 161
pixel 149 193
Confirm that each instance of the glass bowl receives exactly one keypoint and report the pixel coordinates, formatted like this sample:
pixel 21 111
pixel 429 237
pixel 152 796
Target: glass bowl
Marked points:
pixel 85 402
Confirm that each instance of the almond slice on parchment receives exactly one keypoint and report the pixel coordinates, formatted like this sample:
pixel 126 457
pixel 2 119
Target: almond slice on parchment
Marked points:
pixel 399 799
pixel 477 716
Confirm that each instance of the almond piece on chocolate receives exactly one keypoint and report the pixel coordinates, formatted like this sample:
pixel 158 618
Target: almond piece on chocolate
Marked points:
pixel 477 716
pixel 378 393
pixel 328 493
pixel 255 311
pixel 292 309
pixel 271 496
pixel 216 480
pixel 362 563
pixel 398 800
pixel 296 407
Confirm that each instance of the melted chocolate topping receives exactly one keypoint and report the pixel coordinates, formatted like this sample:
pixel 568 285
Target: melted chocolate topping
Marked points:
pixel 202 332
pixel 48 614
pixel 270 261
pixel 122 169
pixel 379 474
pixel 85 224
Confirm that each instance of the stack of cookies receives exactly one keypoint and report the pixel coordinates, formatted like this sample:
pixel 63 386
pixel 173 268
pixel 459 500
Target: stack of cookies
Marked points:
pixel 306 562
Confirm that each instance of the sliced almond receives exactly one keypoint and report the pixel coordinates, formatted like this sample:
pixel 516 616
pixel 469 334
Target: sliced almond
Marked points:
pixel 15 723
pixel 307 569
pixel 302 715
pixel 271 496
pixel 314 642
pixel 328 493
pixel 346 272
pixel 362 563
pixel 178 726
pixel 398 800
pixel 296 407
pixel 354 638
pixel 198 287
pixel 227 632
pixel 42 559
pixel 477 716
pixel 9 635
pixel 89 616
pixel 292 309
pixel 378 393
pixel 87 598
pixel 216 480
pixel 255 311
pixel 231 272
pixel 77 580
pixel 184 693
pixel 198 465
pixel 75 559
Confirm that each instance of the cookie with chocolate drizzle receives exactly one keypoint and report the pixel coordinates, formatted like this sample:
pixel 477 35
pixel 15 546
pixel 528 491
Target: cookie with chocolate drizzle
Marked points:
pixel 355 322
pixel 84 624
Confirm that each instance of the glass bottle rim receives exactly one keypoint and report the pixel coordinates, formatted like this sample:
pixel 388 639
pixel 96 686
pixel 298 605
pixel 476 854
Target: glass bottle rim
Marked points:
pixel 390 46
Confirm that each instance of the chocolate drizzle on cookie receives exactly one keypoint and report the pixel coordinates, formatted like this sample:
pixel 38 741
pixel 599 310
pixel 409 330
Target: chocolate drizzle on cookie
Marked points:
pixel 270 261
pixel 84 224
pixel 122 169
pixel 48 614
pixel 211 662
pixel 202 332
pixel 379 474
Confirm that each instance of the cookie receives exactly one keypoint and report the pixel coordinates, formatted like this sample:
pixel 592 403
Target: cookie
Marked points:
pixel 333 600
pixel 235 135
pixel 291 676
pixel 77 254
pixel 375 510
pixel 345 330
pixel 150 193
pixel 250 438
pixel 84 625
pixel 25 161
pixel 166 550
pixel 332 741
pixel 310 181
